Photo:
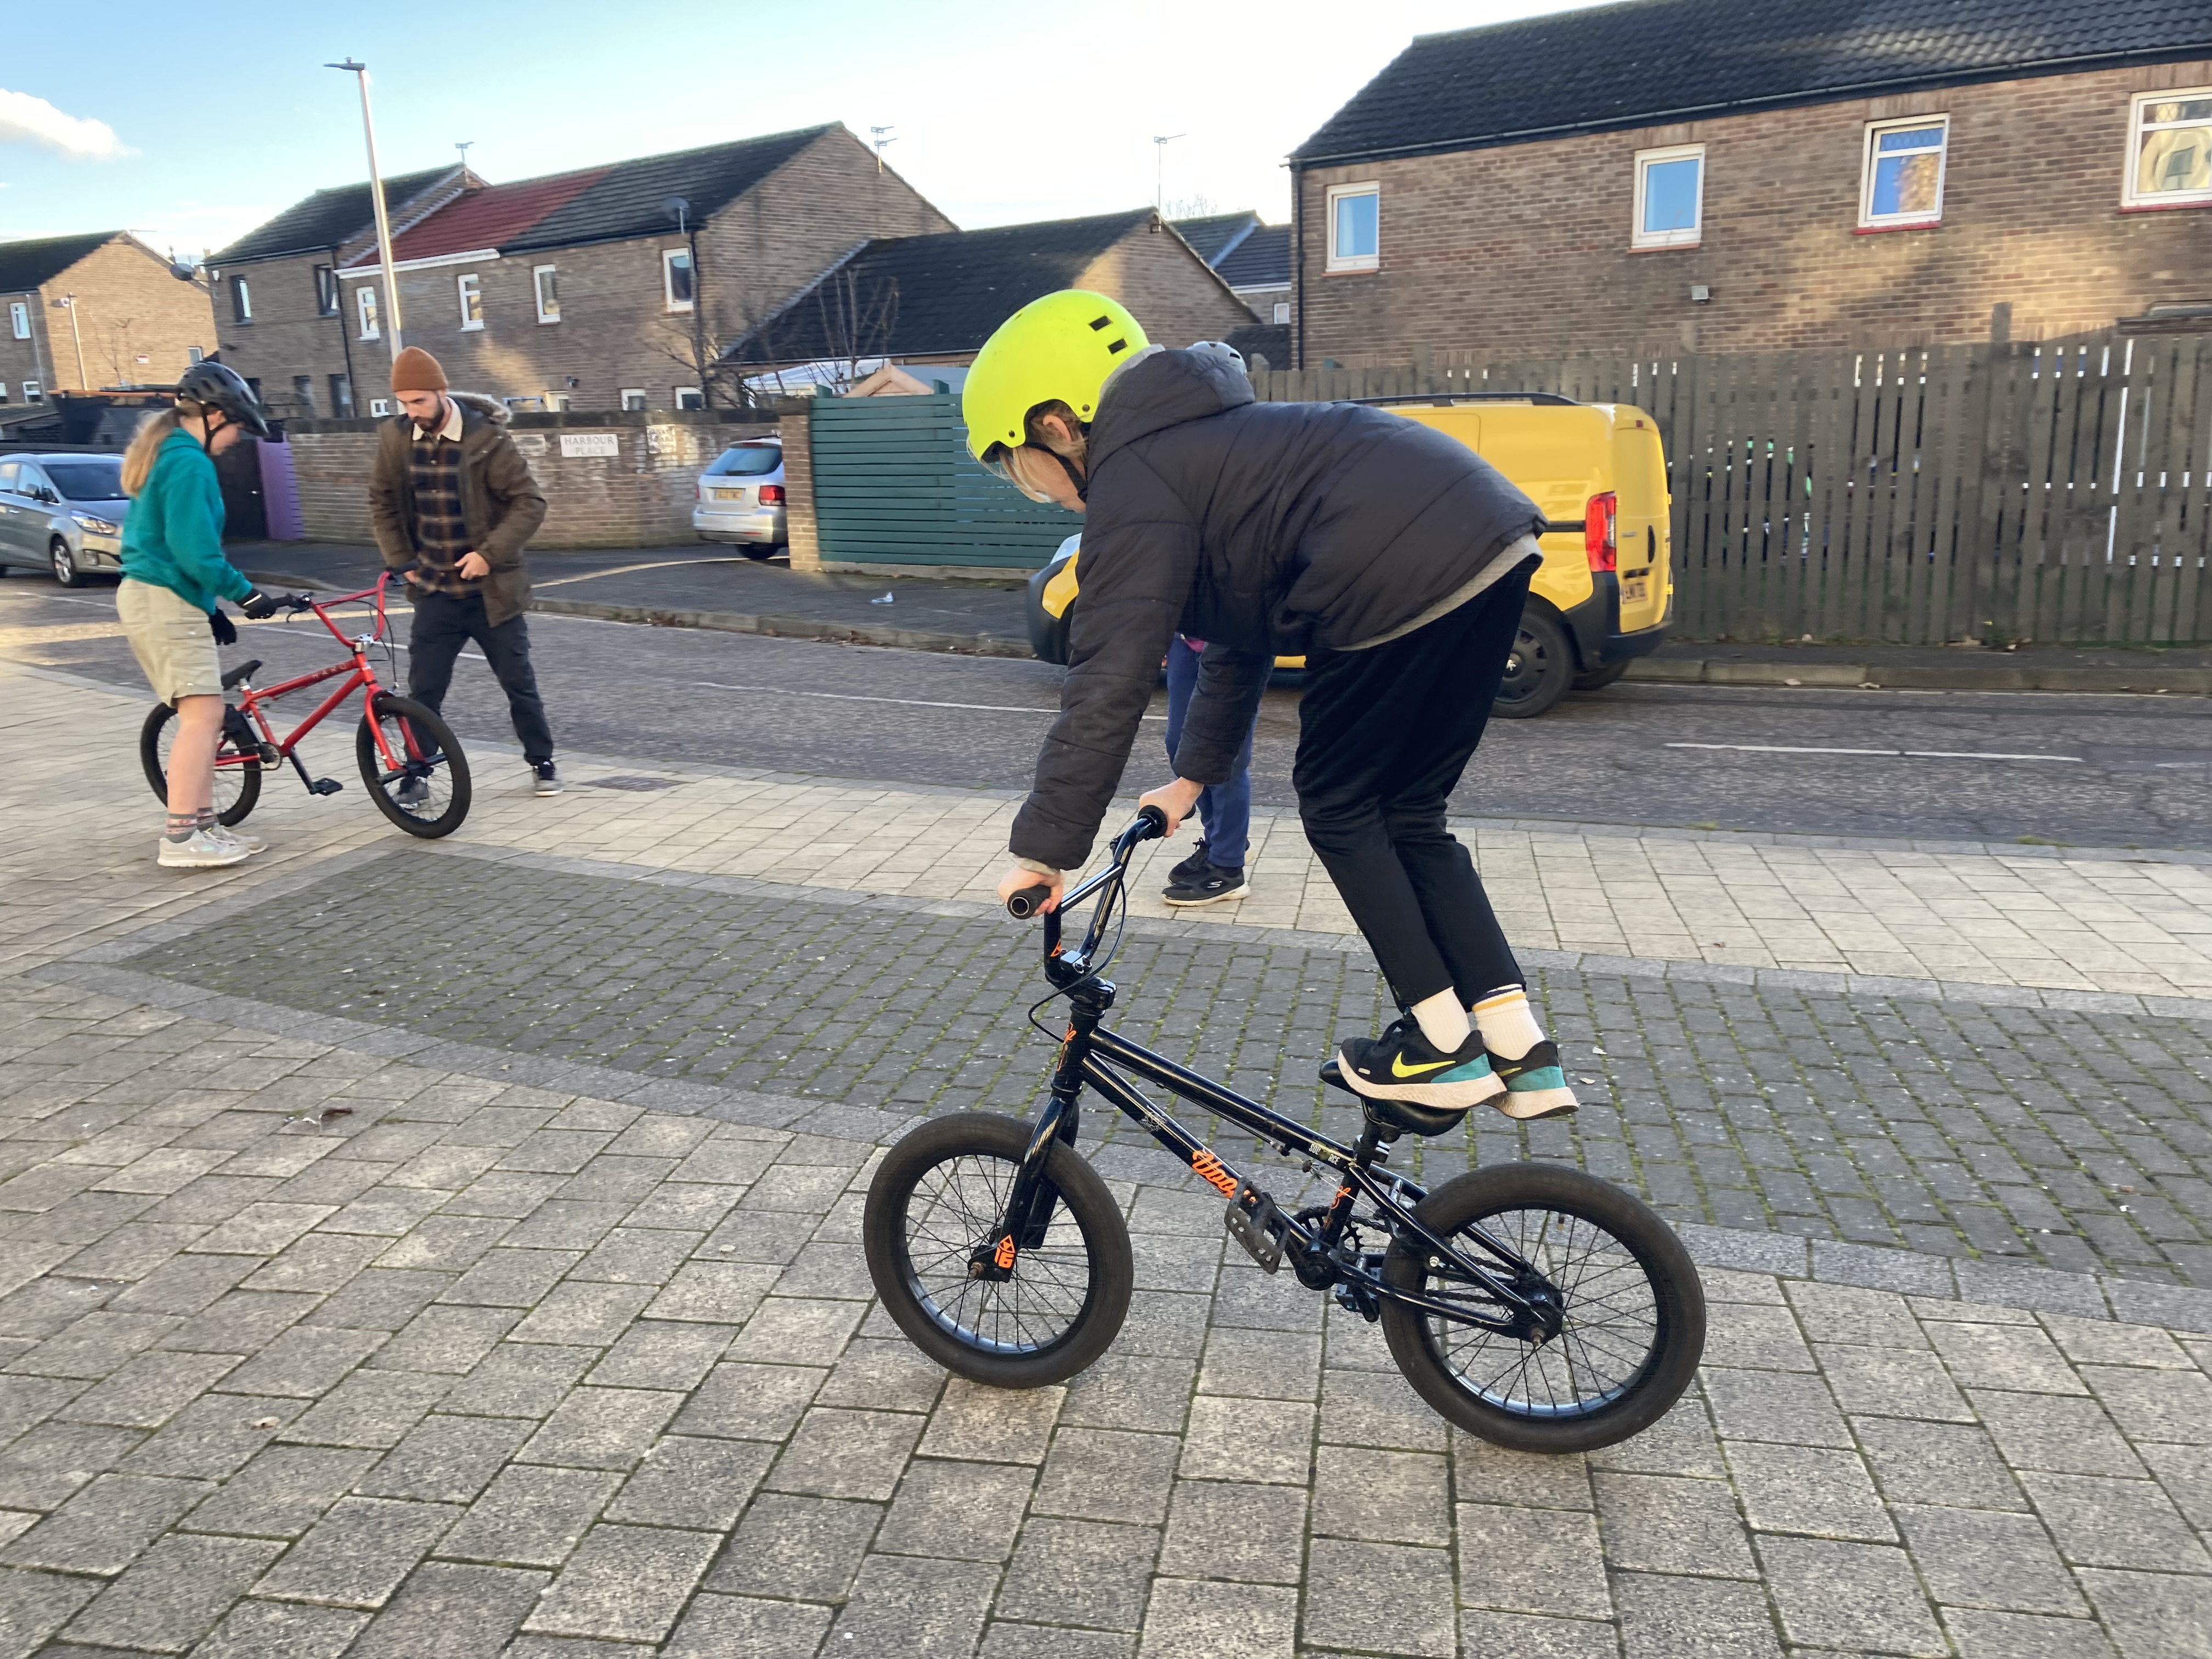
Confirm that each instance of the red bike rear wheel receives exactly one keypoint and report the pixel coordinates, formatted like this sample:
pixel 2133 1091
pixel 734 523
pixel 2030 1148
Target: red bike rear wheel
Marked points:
pixel 237 776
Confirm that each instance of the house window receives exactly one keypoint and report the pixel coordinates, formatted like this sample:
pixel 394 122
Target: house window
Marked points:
pixel 2169 149
pixel 1282 311
pixel 1354 226
pixel 341 397
pixel 554 402
pixel 18 319
pixel 676 277
pixel 471 287
pixel 364 305
pixel 303 392
pixel 1670 197
pixel 1904 174
pixel 633 397
pixel 34 392
pixel 241 300
pixel 194 354
pixel 689 397
pixel 3 391
pixel 546 280
pixel 326 291
pixel 379 406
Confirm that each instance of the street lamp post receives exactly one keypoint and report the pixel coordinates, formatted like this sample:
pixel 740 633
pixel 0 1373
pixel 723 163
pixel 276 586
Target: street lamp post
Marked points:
pixel 360 71
pixel 68 302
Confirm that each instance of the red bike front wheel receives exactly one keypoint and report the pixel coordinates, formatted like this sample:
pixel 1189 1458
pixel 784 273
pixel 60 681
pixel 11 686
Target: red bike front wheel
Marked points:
pixel 423 787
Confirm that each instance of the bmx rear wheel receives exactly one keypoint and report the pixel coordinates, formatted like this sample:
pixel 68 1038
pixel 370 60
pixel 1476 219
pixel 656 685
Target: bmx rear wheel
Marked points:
pixel 237 775
pixel 939 1198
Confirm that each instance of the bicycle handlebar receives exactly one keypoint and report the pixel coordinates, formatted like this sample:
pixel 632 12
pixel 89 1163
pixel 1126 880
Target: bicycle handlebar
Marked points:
pixel 1150 824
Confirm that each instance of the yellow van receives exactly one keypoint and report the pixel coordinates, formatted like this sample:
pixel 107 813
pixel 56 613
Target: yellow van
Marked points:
pixel 1599 475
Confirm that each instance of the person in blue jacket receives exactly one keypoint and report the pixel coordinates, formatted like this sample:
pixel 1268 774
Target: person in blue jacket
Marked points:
pixel 173 572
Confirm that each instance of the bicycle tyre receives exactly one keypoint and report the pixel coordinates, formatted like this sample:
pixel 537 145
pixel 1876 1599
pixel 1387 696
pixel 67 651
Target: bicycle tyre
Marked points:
pixel 950 1331
pixel 153 758
pixel 1655 1259
pixel 453 768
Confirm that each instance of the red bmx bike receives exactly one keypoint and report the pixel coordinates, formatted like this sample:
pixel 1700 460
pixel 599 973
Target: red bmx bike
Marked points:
pixel 408 758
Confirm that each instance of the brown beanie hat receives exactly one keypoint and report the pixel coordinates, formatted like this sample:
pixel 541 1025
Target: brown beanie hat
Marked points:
pixel 416 370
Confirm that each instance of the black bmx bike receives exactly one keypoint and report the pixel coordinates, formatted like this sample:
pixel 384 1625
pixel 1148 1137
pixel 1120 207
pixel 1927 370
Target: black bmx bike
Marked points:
pixel 1532 1304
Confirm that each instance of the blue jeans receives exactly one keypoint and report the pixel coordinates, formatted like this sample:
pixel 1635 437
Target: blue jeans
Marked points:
pixel 1225 808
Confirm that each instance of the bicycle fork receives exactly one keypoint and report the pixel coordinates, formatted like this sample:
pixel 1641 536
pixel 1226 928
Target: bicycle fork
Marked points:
pixel 1031 1202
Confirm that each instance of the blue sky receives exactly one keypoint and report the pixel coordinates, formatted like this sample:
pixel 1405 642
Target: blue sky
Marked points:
pixel 191 124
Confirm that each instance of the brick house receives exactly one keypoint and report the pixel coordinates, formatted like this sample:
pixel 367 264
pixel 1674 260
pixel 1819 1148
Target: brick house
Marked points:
pixel 934 299
pixel 278 298
pixel 84 312
pixel 1253 259
pixel 1741 174
pixel 585 288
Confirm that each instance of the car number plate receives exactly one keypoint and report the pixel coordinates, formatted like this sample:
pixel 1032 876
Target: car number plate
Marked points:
pixel 729 494
pixel 1632 590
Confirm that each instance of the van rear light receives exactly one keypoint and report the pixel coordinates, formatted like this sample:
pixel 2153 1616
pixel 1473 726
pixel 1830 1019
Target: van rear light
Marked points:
pixel 771 495
pixel 1600 531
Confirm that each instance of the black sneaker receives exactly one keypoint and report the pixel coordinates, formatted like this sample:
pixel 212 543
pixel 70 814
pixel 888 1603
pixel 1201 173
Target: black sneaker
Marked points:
pixel 1401 1065
pixel 1191 868
pixel 547 781
pixel 1210 886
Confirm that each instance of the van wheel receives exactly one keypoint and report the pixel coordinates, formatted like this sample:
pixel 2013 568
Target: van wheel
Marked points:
pixel 1598 678
pixel 1540 671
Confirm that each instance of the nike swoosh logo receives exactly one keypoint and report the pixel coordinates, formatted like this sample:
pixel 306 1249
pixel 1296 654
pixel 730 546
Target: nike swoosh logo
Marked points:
pixel 1399 1068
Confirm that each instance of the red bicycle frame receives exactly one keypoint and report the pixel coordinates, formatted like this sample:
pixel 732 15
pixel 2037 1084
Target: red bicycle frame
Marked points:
pixel 358 675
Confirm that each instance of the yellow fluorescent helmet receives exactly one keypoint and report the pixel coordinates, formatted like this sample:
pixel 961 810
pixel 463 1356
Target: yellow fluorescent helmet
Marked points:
pixel 1060 347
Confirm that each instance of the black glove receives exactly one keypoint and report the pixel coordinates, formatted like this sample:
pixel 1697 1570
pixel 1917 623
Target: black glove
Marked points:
pixel 259 605
pixel 224 629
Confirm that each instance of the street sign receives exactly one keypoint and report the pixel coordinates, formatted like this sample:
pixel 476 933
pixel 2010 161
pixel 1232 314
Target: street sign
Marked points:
pixel 590 443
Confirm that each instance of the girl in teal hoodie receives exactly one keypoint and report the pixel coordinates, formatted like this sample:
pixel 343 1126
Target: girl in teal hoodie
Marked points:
pixel 173 572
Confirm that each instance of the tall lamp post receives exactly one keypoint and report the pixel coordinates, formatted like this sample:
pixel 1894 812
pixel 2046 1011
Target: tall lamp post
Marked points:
pixel 360 71
pixel 68 302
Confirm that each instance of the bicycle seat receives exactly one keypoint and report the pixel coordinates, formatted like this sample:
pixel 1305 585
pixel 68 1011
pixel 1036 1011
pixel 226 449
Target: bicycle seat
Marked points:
pixel 243 672
pixel 1399 1115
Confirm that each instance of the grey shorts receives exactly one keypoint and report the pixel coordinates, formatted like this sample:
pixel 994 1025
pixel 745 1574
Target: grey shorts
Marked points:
pixel 175 651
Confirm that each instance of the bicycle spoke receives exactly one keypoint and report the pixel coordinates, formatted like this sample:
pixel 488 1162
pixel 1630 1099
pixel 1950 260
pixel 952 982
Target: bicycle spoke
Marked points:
pixel 957 1208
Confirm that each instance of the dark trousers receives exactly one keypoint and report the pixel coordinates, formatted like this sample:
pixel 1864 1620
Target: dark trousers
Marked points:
pixel 1225 809
pixel 444 622
pixel 1383 735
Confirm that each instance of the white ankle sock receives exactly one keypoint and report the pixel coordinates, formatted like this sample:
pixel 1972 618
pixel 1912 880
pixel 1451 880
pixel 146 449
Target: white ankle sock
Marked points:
pixel 1443 1021
pixel 1508 1025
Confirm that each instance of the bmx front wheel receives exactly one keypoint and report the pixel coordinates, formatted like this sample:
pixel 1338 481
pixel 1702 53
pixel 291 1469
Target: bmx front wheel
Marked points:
pixel 424 787
pixel 934 1213
pixel 237 775
pixel 1631 1311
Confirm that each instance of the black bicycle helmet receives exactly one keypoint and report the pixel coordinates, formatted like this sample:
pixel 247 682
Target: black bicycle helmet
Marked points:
pixel 213 385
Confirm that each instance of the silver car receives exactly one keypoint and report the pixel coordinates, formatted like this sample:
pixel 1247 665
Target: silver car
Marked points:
pixel 63 514
pixel 741 498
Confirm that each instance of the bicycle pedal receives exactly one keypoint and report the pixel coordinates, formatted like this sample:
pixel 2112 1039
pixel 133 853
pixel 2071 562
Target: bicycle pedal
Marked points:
pixel 1259 1229
pixel 324 786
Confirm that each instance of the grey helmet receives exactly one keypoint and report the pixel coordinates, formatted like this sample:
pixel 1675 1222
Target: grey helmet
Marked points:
pixel 1221 349
pixel 213 386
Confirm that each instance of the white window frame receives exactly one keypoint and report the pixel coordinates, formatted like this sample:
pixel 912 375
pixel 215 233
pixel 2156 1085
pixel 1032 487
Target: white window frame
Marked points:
pixel 367 311
pixel 630 391
pixel 554 403
pixel 241 300
pixel 3 391
pixel 1282 313
pixel 34 391
pixel 2158 198
pixel 379 406
pixel 1868 219
pixel 538 273
pixel 19 319
pixel 1352 261
pixel 194 354
pixel 1645 160
pixel 679 394
pixel 468 288
pixel 329 296
pixel 669 256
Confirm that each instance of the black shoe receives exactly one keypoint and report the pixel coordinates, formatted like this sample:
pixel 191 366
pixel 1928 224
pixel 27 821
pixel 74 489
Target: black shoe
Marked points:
pixel 1401 1065
pixel 1211 887
pixel 545 780
pixel 1190 869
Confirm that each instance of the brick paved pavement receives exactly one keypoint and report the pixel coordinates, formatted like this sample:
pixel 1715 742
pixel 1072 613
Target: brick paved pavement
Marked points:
pixel 543 1358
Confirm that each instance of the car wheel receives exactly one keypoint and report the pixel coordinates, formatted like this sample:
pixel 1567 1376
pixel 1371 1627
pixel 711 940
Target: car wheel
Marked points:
pixel 65 570
pixel 757 551
pixel 1598 678
pixel 1538 672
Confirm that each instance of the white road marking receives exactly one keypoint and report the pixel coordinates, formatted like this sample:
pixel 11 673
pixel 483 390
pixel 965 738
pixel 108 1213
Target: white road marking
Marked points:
pixel 1886 754
pixel 903 702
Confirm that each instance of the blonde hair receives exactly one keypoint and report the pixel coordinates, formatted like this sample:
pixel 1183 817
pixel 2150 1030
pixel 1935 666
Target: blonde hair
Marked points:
pixel 146 443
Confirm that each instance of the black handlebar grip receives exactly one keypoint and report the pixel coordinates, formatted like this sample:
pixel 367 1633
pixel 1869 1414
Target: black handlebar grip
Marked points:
pixel 1028 902
pixel 1159 819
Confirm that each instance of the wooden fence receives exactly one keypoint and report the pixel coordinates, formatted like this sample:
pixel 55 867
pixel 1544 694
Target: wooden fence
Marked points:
pixel 2051 490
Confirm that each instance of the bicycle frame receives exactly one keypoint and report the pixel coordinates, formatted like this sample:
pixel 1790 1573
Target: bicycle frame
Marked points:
pixel 358 675
pixel 1531 1303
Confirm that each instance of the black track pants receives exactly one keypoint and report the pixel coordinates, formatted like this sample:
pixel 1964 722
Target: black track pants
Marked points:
pixel 1383 735
pixel 444 622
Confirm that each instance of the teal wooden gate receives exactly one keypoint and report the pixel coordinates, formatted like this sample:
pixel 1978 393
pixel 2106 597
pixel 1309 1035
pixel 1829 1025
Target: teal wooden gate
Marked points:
pixel 894 484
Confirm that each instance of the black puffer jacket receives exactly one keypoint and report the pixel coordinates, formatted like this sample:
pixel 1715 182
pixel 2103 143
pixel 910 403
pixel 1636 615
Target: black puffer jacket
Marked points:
pixel 1263 529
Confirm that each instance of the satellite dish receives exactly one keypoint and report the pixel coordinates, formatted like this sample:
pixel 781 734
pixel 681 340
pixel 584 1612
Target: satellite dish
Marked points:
pixel 181 272
pixel 676 207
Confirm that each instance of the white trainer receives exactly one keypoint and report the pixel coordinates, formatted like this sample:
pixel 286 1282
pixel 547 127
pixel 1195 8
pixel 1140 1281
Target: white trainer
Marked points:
pixel 200 851
pixel 238 838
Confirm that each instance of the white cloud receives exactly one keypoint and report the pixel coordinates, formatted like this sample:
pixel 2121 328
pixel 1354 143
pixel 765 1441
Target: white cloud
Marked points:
pixel 26 120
